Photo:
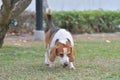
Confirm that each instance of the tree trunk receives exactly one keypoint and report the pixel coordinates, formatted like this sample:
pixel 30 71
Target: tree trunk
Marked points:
pixel 10 10
pixel 3 31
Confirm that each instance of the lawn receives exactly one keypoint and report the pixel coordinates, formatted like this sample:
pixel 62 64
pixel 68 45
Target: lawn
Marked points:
pixel 95 60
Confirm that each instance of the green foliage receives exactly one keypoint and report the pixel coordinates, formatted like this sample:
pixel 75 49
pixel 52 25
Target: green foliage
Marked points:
pixel 88 21
pixel 75 21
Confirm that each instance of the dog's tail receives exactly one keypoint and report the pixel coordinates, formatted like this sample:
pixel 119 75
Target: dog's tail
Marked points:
pixel 49 18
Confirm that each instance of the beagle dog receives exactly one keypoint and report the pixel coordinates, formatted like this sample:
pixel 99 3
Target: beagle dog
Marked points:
pixel 59 43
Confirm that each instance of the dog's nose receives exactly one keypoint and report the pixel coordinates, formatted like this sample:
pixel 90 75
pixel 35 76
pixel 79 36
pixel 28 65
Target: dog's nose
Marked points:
pixel 65 64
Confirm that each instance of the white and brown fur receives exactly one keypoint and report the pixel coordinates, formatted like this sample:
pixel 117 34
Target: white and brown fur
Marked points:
pixel 59 42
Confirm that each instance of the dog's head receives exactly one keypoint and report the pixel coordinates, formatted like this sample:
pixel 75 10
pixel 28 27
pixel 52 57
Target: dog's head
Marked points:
pixel 64 52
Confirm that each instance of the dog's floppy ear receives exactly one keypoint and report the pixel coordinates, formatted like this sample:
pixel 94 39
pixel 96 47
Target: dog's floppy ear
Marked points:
pixel 72 56
pixel 52 54
pixel 53 51
pixel 72 52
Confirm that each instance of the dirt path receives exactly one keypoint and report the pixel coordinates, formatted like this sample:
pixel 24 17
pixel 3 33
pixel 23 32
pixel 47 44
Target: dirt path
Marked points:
pixel 102 36
pixel 27 40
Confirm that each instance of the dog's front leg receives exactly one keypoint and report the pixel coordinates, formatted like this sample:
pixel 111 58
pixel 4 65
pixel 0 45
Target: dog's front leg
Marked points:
pixel 71 65
pixel 46 58
pixel 52 56
pixel 47 61
pixel 51 64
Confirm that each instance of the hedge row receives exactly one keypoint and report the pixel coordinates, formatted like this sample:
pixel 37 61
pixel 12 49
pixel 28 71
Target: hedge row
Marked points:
pixel 88 21
pixel 75 21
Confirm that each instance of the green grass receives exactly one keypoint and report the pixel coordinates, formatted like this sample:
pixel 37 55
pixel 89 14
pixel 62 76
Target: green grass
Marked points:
pixel 95 60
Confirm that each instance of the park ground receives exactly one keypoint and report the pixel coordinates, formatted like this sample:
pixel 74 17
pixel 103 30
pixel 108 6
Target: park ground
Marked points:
pixel 97 58
pixel 26 39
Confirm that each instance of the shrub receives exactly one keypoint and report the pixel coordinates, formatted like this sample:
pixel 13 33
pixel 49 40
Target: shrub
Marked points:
pixel 88 21
pixel 96 21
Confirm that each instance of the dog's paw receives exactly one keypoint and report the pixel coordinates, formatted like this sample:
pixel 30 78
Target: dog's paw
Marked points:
pixel 73 68
pixel 51 64
pixel 46 63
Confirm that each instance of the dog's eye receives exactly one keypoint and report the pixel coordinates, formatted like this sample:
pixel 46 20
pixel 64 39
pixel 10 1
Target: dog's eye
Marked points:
pixel 68 55
pixel 61 55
